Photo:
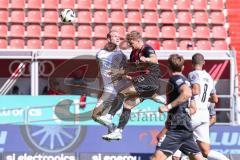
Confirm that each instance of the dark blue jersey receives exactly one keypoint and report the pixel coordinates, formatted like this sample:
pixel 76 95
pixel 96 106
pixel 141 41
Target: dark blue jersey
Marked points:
pixel 178 117
pixel 146 51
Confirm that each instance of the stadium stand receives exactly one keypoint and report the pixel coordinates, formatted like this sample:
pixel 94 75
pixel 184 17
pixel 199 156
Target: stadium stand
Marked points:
pixel 34 44
pixel 160 20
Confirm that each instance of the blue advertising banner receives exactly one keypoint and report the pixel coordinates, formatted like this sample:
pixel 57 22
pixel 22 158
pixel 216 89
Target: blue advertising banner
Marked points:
pixel 41 110
pixel 87 139
pixel 43 124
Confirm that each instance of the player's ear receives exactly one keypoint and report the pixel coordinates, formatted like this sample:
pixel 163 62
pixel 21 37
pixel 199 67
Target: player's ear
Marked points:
pixel 203 62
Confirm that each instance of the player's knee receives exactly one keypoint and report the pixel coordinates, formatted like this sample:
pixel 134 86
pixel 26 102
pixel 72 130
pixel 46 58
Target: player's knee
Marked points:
pixel 95 114
pixel 205 153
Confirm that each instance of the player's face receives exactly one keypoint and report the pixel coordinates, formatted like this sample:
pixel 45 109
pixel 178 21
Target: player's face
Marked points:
pixel 134 44
pixel 115 38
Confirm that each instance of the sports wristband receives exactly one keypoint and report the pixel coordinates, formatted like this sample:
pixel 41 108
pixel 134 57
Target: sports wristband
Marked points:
pixel 169 106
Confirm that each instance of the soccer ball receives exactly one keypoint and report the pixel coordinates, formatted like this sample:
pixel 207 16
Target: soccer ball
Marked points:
pixel 67 15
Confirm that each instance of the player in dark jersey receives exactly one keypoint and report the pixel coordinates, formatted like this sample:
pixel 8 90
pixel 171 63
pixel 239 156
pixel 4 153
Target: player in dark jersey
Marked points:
pixel 144 84
pixel 179 134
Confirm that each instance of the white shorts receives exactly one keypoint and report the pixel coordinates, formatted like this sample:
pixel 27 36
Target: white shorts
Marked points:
pixel 178 153
pixel 201 131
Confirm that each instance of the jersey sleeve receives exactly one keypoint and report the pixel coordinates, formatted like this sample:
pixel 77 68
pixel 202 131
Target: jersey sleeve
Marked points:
pixel 194 78
pixel 213 91
pixel 179 81
pixel 211 109
pixel 148 50
pixel 98 55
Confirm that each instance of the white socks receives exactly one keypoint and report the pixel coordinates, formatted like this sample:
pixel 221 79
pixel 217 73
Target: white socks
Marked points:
pixel 214 155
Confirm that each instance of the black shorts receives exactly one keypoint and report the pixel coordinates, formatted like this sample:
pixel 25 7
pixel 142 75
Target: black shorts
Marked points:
pixel 146 85
pixel 179 139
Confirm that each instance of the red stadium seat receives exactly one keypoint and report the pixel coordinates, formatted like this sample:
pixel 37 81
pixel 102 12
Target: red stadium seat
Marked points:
pixel 184 17
pixel 4 4
pixel 84 31
pixel 51 16
pixel 3 43
pixel 18 16
pixel 3 16
pixel 50 31
pixel 34 4
pixel 34 16
pixel 51 4
pixel 100 43
pixel 151 32
pixel 183 4
pixel 219 32
pixel 150 4
pixel 3 30
pixel 84 17
pixel 100 31
pixel 84 44
pixel 199 4
pixel 34 44
pixel 16 44
pixel 168 32
pixel 33 31
pixel 167 17
pixel 185 32
pixel 150 17
pixel 134 17
pixel 220 45
pixel 202 32
pixel 84 4
pixel 100 17
pixel 117 17
pixel 135 28
pixel 154 43
pixel 121 30
pixel 169 45
pixel 216 5
pixel 117 4
pixel 100 4
pixel 201 18
pixel 50 44
pixel 17 4
pixel 17 31
pixel 68 31
pixel 217 18
pixel 166 4
pixel 203 45
pixel 67 4
pixel 133 4
pixel 184 45
pixel 67 44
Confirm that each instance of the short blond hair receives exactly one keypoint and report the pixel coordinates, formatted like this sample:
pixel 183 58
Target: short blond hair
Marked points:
pixel 110 34
pixel 133 35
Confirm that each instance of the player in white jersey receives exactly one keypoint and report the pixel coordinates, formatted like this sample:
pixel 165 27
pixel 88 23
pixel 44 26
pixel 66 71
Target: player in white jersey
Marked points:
pixel 203 90
pixel 112 62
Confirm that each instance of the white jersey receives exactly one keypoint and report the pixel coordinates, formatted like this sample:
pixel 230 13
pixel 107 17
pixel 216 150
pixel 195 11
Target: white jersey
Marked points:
pixel 207 87
pixel 108 61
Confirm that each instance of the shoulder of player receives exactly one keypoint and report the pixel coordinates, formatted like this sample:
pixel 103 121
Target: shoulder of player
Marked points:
pixel 102 51
pixel 148 49
pixel 178 79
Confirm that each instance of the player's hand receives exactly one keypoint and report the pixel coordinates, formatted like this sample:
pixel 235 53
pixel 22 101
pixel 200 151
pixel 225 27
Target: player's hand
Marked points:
pixel 127 77
pixel 160 135
pixel 163 109
pixel 143 59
